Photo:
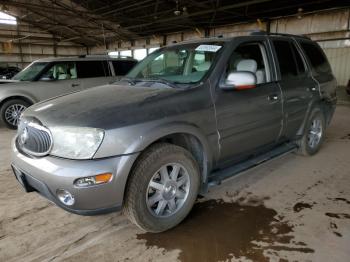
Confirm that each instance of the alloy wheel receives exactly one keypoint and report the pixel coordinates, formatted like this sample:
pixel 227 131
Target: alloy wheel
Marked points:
pixel 13 113
pixel 315 133
pixel 168 190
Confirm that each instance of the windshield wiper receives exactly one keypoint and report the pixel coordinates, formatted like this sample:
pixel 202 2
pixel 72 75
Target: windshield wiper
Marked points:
pixel 133 81
pixel 158 80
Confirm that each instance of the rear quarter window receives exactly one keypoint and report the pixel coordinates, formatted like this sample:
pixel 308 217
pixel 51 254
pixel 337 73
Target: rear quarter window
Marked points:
pixel 316 57
pixel 121 68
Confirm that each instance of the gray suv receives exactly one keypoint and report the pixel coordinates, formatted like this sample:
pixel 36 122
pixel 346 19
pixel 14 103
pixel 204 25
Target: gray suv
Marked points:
pixel 185 118
pixel 50 77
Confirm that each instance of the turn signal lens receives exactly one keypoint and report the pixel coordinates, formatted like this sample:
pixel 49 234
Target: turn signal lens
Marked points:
pixel 93 180
pixel 103 178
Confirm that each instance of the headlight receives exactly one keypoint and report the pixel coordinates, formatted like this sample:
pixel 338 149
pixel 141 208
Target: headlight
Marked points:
pixel 76 142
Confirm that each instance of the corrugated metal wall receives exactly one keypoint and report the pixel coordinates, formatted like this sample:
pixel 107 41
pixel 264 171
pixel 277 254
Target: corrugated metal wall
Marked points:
pixel 339 59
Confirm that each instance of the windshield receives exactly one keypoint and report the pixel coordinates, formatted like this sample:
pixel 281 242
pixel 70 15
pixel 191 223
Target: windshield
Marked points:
pixel 30 72
pixel 183 64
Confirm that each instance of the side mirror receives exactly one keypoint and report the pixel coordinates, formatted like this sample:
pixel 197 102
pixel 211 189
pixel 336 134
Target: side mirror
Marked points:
pixel 239 81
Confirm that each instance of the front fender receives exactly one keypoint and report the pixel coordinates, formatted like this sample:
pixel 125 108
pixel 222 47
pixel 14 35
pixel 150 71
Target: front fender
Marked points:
pixel 6 94
pixel 136 138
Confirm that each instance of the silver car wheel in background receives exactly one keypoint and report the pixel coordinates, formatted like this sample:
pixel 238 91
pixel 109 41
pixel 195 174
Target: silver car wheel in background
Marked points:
pixel 315 133
pixel 13 113
pixel 168 190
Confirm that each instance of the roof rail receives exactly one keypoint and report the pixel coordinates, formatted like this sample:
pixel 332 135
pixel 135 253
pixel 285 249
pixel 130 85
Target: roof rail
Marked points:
pixel 251 31
pixel 278 34
pixel 121 56
pixel 94 55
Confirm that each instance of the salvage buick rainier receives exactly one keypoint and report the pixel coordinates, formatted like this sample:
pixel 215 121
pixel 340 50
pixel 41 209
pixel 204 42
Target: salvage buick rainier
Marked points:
pixel 185 118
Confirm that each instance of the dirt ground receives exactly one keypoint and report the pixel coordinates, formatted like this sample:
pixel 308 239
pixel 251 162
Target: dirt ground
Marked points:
pixel 291 209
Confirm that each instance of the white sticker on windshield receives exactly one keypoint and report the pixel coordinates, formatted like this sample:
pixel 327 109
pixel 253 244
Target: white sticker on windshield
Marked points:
pixel 208 48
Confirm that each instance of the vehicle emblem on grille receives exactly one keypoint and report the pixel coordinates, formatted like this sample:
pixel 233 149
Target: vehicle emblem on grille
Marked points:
pixel 23 137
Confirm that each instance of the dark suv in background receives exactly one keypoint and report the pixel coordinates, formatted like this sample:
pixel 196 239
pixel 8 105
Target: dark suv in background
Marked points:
pixel 50 77
pixel 186 117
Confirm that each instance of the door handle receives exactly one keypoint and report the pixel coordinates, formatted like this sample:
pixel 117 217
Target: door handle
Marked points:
pixel 272 98
pixel 311 89
pixel 74 85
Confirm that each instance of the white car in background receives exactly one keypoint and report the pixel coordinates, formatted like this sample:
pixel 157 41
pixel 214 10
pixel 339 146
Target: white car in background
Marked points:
pixel 50 77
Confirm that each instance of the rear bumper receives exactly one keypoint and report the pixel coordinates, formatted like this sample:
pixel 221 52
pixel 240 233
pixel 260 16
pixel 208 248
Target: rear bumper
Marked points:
pixel 48 174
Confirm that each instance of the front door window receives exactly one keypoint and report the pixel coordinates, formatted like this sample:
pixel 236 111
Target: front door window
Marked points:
pixel 61 71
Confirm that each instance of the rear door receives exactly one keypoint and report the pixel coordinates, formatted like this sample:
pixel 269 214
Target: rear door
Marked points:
pixel 94 73
pixel 249 120
pixel 321 70
pixel 298 87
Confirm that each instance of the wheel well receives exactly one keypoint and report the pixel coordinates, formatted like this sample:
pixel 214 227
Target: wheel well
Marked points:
pixel 193 145
pixel 16 97
pixel 325 108
pixel 190 143
pixel 327 111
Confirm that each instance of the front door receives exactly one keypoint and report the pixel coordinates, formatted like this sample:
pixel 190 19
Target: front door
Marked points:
pixel 58 79
pixel 248 120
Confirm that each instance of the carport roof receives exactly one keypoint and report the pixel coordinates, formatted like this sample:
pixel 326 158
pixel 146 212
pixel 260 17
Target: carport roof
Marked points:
pixel 95 22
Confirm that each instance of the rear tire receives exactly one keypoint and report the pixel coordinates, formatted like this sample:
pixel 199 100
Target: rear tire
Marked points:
pixel 11 111
pixel 314 133
pixel 162 188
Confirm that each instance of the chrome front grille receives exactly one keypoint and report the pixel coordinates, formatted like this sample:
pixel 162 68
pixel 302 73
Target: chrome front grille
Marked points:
pixel 34 139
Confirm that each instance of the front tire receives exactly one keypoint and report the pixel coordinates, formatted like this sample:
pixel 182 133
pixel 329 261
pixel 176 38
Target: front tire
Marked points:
pixel 11 111
pixel 162 188
pixel 314 133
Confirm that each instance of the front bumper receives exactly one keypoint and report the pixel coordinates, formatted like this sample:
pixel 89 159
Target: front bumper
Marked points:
pixel 48 174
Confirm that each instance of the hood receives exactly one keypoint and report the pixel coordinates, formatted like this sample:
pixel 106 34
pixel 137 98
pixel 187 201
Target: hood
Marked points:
pixel 105 107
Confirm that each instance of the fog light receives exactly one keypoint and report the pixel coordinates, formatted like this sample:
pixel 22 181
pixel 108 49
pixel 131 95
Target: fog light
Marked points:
pixel 93 180
pixel 65 197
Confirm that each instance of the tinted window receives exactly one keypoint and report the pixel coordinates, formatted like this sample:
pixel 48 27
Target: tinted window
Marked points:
pixel 285 56
pixel 123 67
pixel 86 69
pixel 299 60
pixel 316 57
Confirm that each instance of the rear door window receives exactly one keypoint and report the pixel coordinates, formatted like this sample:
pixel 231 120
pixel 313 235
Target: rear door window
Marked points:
pixel 286 59
pixel 316 57
pixel 299 60
pixel 89 69
pixel 121 68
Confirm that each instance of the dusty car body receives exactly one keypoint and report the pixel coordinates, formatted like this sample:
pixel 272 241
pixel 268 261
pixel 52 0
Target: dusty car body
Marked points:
pixel 160 141
pixel 50 77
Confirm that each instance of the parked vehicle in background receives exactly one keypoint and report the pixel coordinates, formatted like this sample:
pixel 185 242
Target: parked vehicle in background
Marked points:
pixel 8 72
pixel 50 77
pixel 186 117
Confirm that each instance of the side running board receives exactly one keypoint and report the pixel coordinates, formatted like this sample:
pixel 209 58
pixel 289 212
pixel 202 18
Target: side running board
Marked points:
pixel 217 177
